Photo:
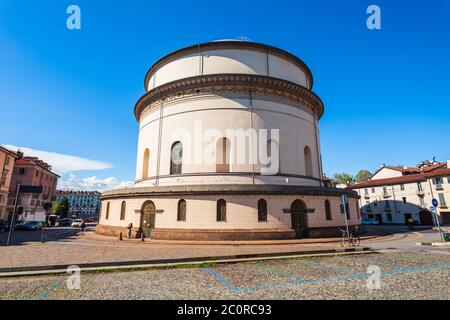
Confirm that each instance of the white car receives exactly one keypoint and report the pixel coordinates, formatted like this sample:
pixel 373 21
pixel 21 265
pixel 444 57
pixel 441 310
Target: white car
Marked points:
pixel 76 223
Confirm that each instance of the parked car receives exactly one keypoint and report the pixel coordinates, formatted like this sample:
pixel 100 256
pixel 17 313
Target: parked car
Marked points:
pixel 65 222
pixel 4 226
pixel 29 225
pixel 76 223
pixel 370 221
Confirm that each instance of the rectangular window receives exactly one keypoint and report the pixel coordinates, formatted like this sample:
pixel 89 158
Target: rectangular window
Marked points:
pixel 438 183
pixel 366 192
pixel 442 202
pixel 389 217
pixel 373 190
pixel 402 187
pixel 21 171
pixel 419 186
pixel 7 161
pixel 386 203
pixel 404 200
pixel 3 179
pixel 422 202
pixel 375 203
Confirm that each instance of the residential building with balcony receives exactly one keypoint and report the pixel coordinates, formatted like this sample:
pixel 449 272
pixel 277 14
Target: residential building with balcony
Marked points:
pixel 440 189
pixel 84 204
pixel 30 171
pixel 7 158
pixel 396 193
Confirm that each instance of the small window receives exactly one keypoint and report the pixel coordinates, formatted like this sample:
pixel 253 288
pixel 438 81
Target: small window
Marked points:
pixel 223 155
pixel 402 187
pixel 262 210
pixel 389 217
pixel 122 210
pixel 404 200
pixel 308 161
pixel 357 211
pixel 145 163
pixel 221 210
pixel 181 210
pixel 176 158
pixel 107 211
pixel 328 210
pixel 373 190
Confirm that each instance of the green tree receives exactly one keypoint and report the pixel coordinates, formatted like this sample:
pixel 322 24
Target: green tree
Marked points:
pixel 61 207
pixel 343 178
pixel 363 175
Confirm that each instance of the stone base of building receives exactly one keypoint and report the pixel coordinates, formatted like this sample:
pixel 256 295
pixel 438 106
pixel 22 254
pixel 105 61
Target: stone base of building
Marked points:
pixel 331 232
pixel 223 235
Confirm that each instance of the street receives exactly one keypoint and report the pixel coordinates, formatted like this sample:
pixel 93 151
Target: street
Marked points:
pixel 407 271
pixel 50 235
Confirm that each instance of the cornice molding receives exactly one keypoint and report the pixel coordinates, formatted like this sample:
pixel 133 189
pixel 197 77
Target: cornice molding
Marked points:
pixel 228 83
pixel 221 190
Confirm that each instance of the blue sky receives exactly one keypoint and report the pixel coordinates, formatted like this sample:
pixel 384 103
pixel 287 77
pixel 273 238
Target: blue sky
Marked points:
pixel 72 92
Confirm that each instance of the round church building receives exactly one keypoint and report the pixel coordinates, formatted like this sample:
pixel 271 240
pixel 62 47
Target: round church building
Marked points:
pixel 228 149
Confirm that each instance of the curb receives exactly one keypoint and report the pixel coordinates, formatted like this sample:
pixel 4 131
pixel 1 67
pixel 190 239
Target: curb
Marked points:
pixel 158 263
pixel 383 237
pixel 434 244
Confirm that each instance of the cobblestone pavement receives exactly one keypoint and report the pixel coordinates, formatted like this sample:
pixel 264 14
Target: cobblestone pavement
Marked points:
pixel 404 275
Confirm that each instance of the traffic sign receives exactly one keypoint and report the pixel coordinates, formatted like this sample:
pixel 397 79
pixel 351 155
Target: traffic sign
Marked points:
pixel 434 202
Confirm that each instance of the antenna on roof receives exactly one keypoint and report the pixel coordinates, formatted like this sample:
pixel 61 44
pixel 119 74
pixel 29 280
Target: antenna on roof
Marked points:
pixel 243 38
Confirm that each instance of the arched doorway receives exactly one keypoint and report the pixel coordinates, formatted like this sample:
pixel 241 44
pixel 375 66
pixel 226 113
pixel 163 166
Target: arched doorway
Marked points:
pixel 148 213
pixel 299 218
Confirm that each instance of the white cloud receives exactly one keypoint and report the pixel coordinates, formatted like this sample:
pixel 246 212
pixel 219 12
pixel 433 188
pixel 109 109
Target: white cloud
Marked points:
pixel 63 163
pixel 92 183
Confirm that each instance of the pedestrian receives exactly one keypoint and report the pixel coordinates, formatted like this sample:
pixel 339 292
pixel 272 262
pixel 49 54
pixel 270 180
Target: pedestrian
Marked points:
pixel 83 227
pixel 411 224
pixel 129 229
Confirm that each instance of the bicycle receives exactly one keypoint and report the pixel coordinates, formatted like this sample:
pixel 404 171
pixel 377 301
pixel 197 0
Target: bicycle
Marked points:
pixel 353 238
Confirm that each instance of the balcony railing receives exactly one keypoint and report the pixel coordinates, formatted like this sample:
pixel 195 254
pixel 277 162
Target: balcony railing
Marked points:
pixel 439 186
pixel 387 209
pixel 420 192
pixel 386 194
pixel 366 196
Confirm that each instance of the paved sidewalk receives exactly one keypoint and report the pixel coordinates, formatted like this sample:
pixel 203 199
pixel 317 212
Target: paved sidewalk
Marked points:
pixel 81 251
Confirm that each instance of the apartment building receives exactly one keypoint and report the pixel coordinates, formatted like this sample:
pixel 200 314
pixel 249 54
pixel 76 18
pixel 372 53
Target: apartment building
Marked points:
pixel 6 166
pixel 82 203
pixel 31 171
pixel 397 193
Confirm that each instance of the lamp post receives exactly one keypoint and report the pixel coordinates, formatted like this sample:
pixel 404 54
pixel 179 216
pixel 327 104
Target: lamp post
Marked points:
pixel 13 218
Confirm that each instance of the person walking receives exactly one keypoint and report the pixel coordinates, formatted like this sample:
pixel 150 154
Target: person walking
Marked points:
pixel 129 229
pixel 83 227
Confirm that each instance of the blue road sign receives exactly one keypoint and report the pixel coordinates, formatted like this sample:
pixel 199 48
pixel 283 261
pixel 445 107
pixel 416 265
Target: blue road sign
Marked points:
pixel 434 202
